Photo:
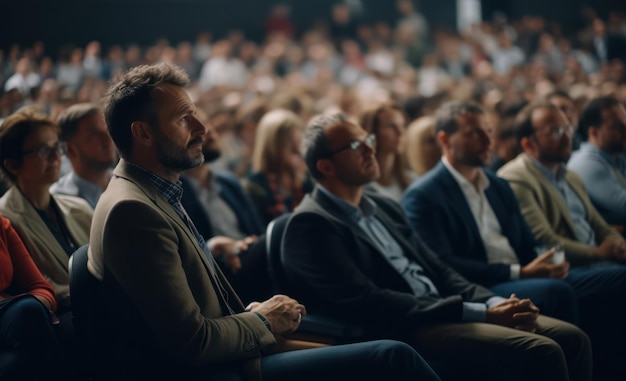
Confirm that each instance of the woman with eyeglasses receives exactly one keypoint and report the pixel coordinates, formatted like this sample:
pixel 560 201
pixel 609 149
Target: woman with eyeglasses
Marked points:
pixel 388 123
pixel 51 226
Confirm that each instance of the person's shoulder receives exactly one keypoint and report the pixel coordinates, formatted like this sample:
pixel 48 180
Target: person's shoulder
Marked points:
pixel 515 169
pixel 65 185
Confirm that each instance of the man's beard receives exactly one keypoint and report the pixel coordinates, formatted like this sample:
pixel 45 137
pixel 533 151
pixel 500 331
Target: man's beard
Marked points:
pixel 176 158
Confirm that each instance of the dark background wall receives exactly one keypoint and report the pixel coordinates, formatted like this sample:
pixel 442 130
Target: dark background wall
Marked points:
pixel 57 22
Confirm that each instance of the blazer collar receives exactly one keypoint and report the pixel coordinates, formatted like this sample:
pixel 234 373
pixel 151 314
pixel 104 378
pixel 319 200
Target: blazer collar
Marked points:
pixel 135 175
pixel 554 194
pixel 338 214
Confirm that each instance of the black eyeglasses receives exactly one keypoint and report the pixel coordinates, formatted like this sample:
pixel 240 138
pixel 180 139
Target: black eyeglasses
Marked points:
pixel 356 145
pixel 46 151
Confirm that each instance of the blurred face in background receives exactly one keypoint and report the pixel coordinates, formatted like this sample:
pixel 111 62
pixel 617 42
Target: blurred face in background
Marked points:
pixel 390 132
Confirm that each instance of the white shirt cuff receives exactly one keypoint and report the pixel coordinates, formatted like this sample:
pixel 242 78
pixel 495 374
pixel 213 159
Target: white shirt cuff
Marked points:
pixel 515 271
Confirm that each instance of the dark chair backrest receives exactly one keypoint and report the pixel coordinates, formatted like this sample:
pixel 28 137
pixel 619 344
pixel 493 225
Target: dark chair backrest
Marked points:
pixel 83 290
pixel 341 332
pixel 274 240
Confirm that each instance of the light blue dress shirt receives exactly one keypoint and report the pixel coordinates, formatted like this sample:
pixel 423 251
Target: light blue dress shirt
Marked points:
pixel 413 273
pixel 578 212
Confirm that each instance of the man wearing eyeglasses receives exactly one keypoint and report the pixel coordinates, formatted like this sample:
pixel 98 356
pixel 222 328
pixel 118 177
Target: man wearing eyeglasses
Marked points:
pixel 354 256
pixel 553 199
pixel 600 162
pixel 493 245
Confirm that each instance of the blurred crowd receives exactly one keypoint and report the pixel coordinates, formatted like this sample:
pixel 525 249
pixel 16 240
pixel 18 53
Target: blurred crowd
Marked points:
pixel 342 65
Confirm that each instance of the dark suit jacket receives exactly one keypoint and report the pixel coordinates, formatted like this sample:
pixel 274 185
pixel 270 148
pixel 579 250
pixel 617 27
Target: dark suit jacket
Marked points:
pixel 233 194
pixel 337 269
pixel 439 212
pixel 167 313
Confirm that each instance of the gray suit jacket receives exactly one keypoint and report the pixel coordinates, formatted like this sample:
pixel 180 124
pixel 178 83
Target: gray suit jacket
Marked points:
pixel 48 255
pixel 546 212
pixel 141 247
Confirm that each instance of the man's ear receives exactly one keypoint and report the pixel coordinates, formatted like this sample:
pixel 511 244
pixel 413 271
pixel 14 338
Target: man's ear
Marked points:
pixel 443 138
pixel 142 133
pixel 70 150
pixel 325 167
pixel 592 131
pixel 527 144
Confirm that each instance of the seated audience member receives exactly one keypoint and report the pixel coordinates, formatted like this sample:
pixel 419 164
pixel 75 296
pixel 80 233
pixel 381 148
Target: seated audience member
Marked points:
pixel 422 151
pixel 504 145
pixel 51 226
pixel 565 103
pixel 226 217
pixel 600 162
pixel 28 346
pixel 90 150
pixel 388 123
pixel 278 179
pixel 493 245
pixel 552 198
pixel 354 256
pixel 178 317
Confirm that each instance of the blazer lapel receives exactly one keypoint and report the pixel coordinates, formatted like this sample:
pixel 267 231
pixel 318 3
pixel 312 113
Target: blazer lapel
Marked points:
pixel 127 171
pixel 335 213
pixel 553 194
pixel 452 191
pixel 35 228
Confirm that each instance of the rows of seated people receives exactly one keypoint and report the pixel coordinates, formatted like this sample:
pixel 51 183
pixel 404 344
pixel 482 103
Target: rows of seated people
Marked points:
pixel 488 236
pixel 504 232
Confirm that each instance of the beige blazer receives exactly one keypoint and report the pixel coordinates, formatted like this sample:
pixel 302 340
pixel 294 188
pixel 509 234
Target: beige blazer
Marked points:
pixel 48 255
pixel 140 245
pixel 546 212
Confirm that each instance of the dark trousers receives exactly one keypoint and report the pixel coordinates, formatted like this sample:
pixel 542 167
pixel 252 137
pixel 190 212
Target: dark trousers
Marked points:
pixel 28 346
pixel 375 360
pixel 601 293
pixel 554 297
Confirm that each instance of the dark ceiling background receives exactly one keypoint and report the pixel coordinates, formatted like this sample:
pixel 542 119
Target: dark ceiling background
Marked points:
pixel 57 22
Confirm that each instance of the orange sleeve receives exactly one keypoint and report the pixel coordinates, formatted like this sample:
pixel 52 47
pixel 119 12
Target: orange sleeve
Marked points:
pixel 27 278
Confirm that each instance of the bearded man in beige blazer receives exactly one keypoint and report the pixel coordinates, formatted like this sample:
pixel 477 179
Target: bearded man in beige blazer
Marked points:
pixel 552 198
pixel 171 310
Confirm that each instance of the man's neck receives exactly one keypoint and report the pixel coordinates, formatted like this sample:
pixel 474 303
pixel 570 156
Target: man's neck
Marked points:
pixel 99 177
pixel 350 194
pixel 155 167
pixel 550 165
pixel 470 173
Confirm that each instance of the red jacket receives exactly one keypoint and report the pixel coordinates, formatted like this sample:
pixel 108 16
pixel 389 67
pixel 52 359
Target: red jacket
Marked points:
pixel 18 272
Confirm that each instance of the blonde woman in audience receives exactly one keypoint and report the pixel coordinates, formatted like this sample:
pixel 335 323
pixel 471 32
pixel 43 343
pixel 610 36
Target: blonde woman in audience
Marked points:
pixel 423 152
pixel 279 177
pixel 388 124
pixel 51 226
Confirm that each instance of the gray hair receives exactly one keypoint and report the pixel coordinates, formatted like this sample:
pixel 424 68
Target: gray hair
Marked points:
pixel 314 144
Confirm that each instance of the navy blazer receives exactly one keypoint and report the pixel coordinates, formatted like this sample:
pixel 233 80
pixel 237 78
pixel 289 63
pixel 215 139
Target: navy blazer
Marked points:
pixel 336 268
pixel 439 212
pixel 233 194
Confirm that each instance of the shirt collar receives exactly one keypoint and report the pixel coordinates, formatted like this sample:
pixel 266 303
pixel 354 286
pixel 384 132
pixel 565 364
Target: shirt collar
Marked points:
pixel 560 172
pixel 482 182
pixel 367 206
pixel 170 191
pixel 613 160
